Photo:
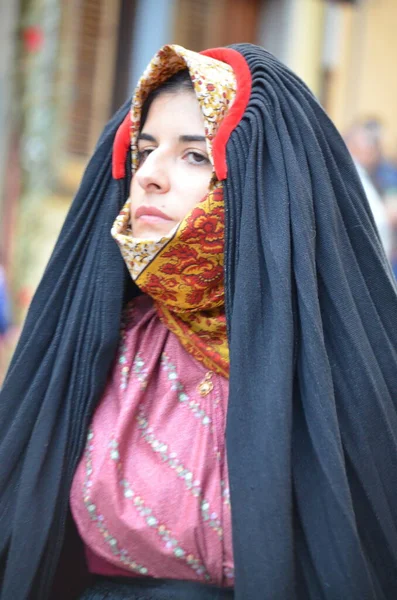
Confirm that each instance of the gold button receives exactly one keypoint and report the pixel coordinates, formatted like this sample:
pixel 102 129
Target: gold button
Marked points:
pixel 206 386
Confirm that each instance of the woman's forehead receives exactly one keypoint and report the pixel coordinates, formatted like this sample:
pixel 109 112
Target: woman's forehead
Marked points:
pixel 213 81
pixel 175 114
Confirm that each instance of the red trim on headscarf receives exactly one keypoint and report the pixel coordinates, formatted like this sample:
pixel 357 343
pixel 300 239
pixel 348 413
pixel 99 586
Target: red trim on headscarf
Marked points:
pixel 243 77
pixel 234 115
pixel 121 145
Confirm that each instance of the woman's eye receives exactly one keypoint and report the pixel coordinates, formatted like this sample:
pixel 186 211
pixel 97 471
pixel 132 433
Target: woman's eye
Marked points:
pixel 195 158
pixel 143 154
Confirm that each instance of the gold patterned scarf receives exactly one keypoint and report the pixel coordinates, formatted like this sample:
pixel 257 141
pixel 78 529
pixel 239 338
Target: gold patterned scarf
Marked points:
pixel 183 272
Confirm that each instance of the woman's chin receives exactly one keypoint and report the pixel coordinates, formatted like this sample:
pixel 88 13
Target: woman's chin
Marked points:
pixel 150 231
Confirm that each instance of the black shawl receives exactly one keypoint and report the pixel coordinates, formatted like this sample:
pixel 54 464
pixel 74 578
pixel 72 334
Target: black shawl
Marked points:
pixel 311 308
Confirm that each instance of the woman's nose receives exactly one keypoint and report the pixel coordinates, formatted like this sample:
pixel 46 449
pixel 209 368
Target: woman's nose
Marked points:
pixel 153 175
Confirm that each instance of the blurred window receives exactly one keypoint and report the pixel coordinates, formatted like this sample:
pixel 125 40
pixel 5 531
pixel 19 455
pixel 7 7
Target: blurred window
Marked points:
pixel 96 25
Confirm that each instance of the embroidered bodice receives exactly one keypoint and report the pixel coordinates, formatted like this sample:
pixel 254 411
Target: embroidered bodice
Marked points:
pixel 150 495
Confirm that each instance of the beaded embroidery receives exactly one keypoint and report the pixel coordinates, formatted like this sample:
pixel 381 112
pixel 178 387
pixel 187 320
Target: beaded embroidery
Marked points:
pixel 171 543
pixel 121 554
pixel 183 397
pixel 139 370
pixel 171 459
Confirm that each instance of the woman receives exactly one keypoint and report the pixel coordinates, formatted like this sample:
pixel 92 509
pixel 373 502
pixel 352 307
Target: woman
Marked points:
pixel 120 349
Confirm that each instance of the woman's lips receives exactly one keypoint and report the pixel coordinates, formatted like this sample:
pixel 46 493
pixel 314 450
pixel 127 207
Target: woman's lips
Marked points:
pixel 151 214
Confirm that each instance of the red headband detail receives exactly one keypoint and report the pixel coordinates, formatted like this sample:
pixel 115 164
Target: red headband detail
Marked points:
pixel 121 145
pixel 242 73
pixel 235 114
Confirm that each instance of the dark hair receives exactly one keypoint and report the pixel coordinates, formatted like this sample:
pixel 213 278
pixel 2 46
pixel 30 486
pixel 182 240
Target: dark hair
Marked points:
pixel 178 82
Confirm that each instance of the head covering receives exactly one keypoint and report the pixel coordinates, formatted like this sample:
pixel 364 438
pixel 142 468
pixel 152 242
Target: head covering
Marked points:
pixel 311 310
pixel 183 271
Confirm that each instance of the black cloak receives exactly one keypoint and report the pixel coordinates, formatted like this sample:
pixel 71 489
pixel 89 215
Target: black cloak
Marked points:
pixel 311 308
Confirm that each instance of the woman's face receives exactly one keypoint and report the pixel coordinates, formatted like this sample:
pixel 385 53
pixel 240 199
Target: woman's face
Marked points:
pixel 174 171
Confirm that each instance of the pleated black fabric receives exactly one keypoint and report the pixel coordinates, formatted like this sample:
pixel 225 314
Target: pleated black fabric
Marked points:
pixel 311 309
pixel 56 376
pixel 312 315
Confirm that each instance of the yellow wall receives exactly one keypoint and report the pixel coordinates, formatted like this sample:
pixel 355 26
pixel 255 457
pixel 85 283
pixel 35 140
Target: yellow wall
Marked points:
pixel 337 101
pixel 307 43
pixel 365 80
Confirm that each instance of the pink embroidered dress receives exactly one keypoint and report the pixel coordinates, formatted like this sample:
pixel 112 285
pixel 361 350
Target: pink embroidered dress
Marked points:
pixel 150 495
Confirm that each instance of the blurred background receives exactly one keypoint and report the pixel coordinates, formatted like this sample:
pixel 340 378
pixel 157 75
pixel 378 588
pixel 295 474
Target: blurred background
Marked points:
pixel 67 65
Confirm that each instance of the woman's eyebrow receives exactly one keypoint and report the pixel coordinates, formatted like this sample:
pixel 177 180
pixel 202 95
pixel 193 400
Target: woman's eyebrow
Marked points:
pixel 146 137
pixel 192 138
pixel 182 138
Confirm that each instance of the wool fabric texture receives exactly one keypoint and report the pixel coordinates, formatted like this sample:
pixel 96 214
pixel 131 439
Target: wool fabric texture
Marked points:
pixel 311 309
pixel 56 377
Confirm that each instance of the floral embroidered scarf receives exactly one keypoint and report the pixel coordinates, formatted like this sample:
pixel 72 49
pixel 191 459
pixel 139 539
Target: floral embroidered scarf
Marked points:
pixel 183 272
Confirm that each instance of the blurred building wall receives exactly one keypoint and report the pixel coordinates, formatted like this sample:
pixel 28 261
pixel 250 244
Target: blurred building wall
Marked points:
pixel 153 28
pixel 275 31
pixel 364 76
pixel 36 68
pixel 377 88
pixel 201 24
pixel 344 51
pixel 8 27
pixel 293 30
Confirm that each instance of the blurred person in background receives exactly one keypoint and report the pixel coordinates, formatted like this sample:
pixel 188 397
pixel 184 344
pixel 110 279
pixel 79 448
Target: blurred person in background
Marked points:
pixel 363 144
pixel 379 178
pixel 384 175
pixel 383 171
pixel 203 401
